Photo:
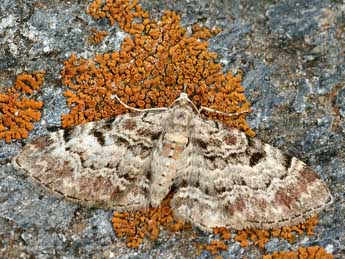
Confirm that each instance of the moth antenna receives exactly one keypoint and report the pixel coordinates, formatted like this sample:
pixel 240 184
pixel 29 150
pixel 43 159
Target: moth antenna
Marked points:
pixel 222 113
pixel 136 109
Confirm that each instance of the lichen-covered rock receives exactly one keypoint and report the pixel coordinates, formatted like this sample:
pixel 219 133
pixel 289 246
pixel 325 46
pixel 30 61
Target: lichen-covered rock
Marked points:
pixel 291 57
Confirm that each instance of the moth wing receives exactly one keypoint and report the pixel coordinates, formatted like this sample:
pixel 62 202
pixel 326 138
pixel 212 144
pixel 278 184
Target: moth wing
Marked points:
pixel 238 182
pixel 101 164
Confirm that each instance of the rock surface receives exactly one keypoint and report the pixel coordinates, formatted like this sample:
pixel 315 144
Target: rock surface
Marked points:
pixel 292 54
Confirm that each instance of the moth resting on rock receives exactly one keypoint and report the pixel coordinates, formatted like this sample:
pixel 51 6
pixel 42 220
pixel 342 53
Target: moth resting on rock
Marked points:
pixel 220 177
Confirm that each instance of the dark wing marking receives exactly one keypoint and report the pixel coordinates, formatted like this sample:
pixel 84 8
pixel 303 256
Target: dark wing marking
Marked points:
pixel 102 164
pixel 239 182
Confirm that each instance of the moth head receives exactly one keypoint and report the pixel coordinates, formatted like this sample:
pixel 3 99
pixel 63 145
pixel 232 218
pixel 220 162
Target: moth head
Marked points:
pixel 184 101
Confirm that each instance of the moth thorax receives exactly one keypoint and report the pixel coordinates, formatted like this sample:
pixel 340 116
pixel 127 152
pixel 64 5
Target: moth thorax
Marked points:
pixel 176 137
pixel 182 117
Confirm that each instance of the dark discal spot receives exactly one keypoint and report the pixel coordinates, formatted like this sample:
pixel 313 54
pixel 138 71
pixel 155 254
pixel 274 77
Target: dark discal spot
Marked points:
pixel 206 190
pixel 230 139
pixel 287 161
pixel 99 136
pixel 129 124
pixel 42 142
pixel 67 134
pixel 268 183
pixel 308 176
pixel 200 143
pixel 256 158
pixel 238 205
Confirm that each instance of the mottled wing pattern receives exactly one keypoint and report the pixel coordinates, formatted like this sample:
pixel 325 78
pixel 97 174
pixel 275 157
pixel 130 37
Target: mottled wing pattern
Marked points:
pixel 240 182
pixel 102 164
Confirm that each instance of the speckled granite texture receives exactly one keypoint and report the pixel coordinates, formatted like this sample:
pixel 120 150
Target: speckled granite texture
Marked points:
pixel 293 56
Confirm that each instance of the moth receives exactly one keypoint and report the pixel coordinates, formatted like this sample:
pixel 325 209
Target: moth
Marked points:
pixel 219 176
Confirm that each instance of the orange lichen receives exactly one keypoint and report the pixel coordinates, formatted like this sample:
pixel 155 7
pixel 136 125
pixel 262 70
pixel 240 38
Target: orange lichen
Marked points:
pixel 215 246
pixel 17 112
pixel 204 33
pixel 224 233
pixel 258 237
pixel 151 69
pixel 261 237
pixel 242 238
pixel 27 83
pixel 312 252
pixel 288 232
pixel 97 36
pixel 137 225
pixel 220 257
